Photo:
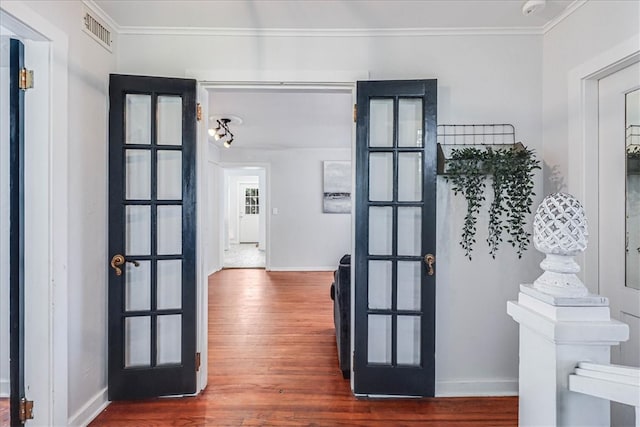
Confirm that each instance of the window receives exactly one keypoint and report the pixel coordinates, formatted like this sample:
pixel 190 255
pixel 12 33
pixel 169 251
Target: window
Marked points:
pixel 251 201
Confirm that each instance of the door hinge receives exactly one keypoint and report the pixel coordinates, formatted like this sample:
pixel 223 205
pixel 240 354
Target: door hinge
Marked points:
pixel 26 79
pixel 197 361
pixel 199 112
pixel 26 410
pixel 355 112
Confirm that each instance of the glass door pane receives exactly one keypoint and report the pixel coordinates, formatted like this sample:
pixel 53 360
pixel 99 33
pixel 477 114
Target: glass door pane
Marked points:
pixel 409 177
pixel 381 123
pixel 409 285
pixel 169 233
pixel 169 339
pixel 408 340
pixel 137 286
pixel 138 174
pixel 169 120
pixel 137 344
pixel 169 175
pixel 379 339
pixel 380 284
pixel 410 122
pixel 381 177
pixel 138 230
pixel 169 284
pixel 138 119
pixel 381 230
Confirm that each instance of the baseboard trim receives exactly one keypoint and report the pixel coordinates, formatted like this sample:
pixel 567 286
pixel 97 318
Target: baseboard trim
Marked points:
pixel 324 268
pixel 90 410
pixel 460 388
pixel 5 389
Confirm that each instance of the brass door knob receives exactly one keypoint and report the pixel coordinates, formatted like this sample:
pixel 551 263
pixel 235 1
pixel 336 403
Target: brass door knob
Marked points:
pixel 118 260
pixel 430 259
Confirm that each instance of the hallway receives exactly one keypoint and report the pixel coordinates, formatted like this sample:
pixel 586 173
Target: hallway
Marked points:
pixel 244 255
pixel 273 362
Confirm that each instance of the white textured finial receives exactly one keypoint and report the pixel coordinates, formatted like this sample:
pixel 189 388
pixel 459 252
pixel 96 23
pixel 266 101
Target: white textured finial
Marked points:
pixel 560 231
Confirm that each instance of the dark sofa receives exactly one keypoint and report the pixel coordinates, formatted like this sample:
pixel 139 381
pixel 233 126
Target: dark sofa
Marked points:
pixel 341 296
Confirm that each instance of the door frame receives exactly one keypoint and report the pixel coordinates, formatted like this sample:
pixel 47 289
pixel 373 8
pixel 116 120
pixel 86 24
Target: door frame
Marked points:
pixel 265 194
pixel 283 80
pixel 583 174
pixel 46 370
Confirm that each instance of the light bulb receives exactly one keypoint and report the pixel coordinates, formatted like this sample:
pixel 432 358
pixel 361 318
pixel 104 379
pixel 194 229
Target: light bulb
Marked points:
pixel 217 136
pixel 227 144
pixel 212 132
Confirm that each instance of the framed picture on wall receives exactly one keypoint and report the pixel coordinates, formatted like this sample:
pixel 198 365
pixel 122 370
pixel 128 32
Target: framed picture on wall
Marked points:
pixel 337 186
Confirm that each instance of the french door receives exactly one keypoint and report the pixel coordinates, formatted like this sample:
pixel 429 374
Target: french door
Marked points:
pixel 16 233
pixel 152 237
pixel 395 238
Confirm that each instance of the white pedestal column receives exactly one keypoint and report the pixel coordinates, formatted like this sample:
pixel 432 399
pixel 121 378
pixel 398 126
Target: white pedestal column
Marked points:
pixel 555 334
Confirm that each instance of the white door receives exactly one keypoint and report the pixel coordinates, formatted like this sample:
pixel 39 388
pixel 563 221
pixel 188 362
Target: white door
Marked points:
pixel 619 212
pixel 249 209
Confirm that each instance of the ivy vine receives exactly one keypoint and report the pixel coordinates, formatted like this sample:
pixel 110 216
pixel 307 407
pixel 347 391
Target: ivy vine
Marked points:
pixel 512 170
pixel 466 174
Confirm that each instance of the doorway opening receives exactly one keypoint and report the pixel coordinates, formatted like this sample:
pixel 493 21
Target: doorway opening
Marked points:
pixel 244 217
pixel 45 203
pixel 287 132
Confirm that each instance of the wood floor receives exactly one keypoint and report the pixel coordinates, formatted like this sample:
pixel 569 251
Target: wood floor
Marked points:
pixel 4 412
pixel 273 362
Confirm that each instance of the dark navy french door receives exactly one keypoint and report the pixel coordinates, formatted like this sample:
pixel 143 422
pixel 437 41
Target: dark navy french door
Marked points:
pixel 152 237
pixel 395 238
pixel 16 231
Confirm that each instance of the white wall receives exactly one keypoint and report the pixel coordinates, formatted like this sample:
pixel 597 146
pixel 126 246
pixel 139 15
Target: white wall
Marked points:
pixel 588 40
pixel 481 79
pixel 301 237
pixel 214 176
pixel 215 217
pixel 592 29
pixel 88 70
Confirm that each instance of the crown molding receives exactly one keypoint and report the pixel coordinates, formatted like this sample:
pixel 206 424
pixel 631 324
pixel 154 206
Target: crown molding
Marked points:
pixel 577 4
pixel 330 32
pixel 289 32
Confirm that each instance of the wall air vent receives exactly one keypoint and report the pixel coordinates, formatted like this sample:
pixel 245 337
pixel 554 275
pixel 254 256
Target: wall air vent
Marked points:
pixel 97 30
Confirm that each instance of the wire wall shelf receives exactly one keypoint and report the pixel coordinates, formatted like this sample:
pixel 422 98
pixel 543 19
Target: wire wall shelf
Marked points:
pixel 494 136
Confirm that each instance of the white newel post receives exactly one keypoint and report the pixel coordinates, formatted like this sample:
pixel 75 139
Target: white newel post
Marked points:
pixel 561 324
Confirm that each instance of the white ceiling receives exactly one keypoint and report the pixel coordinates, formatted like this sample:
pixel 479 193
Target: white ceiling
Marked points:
pixel 278 119
pixel 329 14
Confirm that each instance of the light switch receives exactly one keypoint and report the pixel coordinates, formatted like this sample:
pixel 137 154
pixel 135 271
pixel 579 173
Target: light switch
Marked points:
pixel 275 211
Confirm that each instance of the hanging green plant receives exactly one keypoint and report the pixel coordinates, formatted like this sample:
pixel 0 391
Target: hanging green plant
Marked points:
pixel 519 196
pixel 512 169
pixel 466 175
pixel 498 162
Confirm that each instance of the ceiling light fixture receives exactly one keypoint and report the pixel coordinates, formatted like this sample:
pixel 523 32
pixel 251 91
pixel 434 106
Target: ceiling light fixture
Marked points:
pixel 222 132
